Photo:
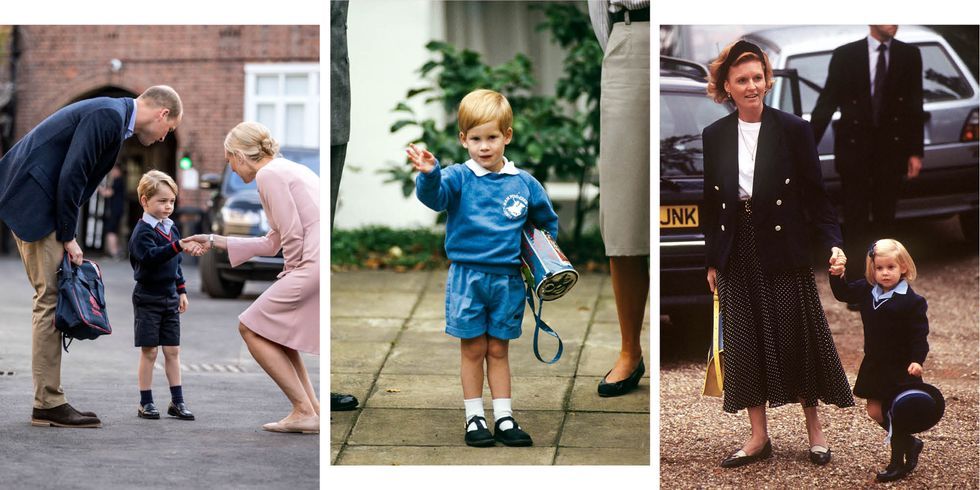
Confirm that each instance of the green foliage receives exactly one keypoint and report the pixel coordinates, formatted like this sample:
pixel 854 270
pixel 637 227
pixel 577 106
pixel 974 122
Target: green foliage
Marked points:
pixel 554 136
pixel 380 247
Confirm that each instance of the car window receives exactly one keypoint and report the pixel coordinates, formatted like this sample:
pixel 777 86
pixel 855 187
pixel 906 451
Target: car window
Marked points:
pixel 682 118
pixel 812 69
pixel 941 78
pixel 233 183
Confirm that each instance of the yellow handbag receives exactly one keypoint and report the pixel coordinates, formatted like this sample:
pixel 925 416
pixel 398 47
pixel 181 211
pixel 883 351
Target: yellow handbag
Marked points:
pixel 714 378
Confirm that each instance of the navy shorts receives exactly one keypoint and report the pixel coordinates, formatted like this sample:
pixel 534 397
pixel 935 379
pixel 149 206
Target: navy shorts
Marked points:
pixel 480 303
pixel 157 319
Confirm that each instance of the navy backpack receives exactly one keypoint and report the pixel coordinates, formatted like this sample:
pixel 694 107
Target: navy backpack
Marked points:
pixel 81 312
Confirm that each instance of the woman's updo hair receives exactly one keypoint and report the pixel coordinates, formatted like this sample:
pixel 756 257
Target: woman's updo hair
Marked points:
pixel 735 54
pixel 251 141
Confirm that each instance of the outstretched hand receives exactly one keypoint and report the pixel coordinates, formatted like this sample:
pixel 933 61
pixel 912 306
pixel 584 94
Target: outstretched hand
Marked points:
pixel 422 159
pixel 193 246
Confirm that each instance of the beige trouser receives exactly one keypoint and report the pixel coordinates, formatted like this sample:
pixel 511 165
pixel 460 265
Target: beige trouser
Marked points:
pixel 41 261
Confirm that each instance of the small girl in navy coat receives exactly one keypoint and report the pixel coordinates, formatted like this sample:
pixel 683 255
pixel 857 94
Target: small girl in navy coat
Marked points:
pixel 159 296
pixel 895 331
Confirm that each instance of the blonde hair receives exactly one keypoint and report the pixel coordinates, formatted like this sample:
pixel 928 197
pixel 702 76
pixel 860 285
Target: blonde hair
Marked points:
pixel 483 106
pixel 150 184
pixel 251 141
pixel 164 97
pixel 889 248
pixel 718 71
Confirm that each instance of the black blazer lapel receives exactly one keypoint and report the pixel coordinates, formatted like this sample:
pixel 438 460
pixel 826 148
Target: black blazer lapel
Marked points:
pixel 729 142
pixel 770 137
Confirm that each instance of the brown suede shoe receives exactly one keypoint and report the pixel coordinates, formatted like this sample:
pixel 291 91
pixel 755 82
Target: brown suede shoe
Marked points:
pixel 63 416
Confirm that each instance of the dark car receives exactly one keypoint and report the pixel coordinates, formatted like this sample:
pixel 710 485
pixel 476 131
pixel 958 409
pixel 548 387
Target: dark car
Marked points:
pixel 685 110
pixel 235 210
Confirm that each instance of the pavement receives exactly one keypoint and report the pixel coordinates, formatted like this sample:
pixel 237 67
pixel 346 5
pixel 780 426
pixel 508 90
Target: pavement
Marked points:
pixel 389 348
pixel 228 392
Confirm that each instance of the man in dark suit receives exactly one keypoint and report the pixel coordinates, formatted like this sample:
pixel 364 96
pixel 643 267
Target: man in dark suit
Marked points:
pixel 876 82
pixel 44 180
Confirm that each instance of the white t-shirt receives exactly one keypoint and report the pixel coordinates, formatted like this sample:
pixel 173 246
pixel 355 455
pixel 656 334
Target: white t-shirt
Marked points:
pixel 748 144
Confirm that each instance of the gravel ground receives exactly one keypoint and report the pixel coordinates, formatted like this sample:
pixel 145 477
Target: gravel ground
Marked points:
pixel 695 434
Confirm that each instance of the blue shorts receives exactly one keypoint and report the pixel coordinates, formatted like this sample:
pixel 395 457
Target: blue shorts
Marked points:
pixel 480 303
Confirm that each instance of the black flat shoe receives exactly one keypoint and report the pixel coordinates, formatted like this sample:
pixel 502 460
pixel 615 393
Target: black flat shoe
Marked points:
pixel 892 472
pixel 514 436
pixel 481 437
pixel 180 411
pixel 340 402
pixel 912 455
pixel 819 455
pixel 148 411
pixel 739 458
pixel 622 387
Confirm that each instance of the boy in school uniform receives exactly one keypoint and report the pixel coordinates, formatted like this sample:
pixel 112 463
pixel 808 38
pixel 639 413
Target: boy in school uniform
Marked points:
pixel 488 200
pixel 159 295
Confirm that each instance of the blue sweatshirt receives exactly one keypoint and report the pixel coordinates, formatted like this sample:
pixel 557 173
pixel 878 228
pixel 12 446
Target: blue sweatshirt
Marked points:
pixel 155 258
pixel 486 212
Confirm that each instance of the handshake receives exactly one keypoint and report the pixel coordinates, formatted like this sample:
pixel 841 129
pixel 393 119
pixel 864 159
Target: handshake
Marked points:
pixel 197 245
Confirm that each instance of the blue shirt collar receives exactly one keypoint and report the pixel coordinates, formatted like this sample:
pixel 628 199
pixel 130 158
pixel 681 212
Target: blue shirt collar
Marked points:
pixel 131 127
pixel 901 288
pixel 508 168
pixel 153 222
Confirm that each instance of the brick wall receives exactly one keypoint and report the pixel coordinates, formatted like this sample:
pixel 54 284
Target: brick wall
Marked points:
pixel 205 64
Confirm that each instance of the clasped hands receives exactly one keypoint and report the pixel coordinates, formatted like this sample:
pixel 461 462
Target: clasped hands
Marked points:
pixel 196 245
pixel 837 261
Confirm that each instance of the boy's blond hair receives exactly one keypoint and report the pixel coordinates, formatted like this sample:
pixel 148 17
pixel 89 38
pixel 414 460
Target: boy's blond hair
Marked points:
pixel 483 106
pixel 150 184
pixel 889 248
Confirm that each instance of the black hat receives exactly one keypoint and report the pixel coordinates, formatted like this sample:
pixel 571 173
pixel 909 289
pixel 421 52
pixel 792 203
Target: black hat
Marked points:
pixel 915 407
pixel 738 49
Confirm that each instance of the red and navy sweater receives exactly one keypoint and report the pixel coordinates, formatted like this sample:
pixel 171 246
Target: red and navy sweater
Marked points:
pixel 155 258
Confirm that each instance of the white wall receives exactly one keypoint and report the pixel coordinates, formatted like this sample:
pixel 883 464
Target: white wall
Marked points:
pixel 386 44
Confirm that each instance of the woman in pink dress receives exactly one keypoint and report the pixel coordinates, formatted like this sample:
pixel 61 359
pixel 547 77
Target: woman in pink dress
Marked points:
pixel 285 319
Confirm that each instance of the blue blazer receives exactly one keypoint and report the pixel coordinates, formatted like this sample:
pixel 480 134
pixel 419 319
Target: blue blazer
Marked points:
pixel 50 172
pixel 790 208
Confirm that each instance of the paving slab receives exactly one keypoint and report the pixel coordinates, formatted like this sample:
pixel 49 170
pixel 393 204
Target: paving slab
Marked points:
pixel 365 329
pixel 602 456
pixel 371 304
pixel 341 424
pixel 358 385
pixel 442 391
pixel 357 357
pixel 598 430
pixel 420 455
pixel 378 281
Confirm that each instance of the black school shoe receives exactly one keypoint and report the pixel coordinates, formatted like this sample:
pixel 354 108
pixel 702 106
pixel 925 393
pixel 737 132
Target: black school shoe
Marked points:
pixel 180 411
pixel 481 437
pixel 148 411
pixel 912 454
pixel 514 436
pixel 342 402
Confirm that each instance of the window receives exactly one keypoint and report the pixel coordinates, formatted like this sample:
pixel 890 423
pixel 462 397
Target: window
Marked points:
pixel 286 98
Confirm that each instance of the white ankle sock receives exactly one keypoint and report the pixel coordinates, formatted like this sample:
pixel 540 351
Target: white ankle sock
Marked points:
pixel 474 407
pixel 501 409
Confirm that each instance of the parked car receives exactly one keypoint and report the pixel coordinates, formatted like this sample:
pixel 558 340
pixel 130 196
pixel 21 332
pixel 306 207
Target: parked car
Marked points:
pixel 235 210
pixel 947 184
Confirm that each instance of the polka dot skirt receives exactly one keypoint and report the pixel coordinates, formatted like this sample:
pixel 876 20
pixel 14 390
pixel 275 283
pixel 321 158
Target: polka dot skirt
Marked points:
pixel 778 347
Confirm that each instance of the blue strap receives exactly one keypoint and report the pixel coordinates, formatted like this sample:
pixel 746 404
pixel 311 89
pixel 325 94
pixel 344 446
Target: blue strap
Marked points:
pixel 539 325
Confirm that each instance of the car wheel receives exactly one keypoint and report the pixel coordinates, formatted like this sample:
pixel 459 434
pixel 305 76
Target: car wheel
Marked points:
pixel 970 225
pixel 213 284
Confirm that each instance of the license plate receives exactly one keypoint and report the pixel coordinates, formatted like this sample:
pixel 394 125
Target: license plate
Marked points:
pixel 679 216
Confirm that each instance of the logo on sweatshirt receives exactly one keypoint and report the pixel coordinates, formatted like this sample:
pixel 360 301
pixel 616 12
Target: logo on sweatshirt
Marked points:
pixel 515 206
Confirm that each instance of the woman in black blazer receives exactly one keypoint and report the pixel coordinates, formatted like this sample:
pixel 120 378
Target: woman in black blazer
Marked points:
pixel 765 206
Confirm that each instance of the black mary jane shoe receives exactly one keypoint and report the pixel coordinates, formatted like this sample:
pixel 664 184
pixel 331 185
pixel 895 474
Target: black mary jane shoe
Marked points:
pixel 481 437
pixel 341 402
pixel 180 411
pixel 514 436
pixel 893 472
pixel 624 386
pixel 912 454
pixel 820 455
pixel 739 458
pixel 148 411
